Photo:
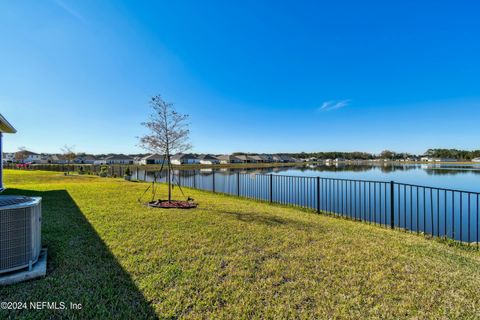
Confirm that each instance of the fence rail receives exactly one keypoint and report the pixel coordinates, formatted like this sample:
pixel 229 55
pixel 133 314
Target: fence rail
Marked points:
pixel 439 212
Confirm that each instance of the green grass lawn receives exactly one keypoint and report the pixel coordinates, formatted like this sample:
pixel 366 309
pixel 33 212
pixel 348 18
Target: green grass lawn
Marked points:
pixel 230 258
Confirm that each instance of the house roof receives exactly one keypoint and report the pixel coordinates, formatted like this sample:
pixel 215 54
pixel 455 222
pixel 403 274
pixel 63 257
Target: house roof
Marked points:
pixel 207 157
pixel 154 156
pixel 119 157
pixel 26 153
pixel 265 156
pixel 287 158
pixel 87 157
pixel 282 157
pixel 53 157
pixel 243 157
pixel 5 126
pixel 256 157
pixel 227 157
pixel 179 156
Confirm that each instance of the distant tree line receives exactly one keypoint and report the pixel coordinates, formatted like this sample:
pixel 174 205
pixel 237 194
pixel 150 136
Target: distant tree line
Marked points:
pixel 387 154
pixel 453 153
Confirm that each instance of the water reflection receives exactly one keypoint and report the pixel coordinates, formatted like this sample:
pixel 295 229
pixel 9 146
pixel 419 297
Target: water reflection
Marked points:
pixel 431 169
pixel 391 167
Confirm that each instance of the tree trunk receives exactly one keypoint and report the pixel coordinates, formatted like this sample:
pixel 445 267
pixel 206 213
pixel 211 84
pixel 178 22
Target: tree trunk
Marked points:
pixel 169 179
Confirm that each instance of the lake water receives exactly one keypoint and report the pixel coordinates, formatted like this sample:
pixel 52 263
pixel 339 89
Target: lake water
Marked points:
pixel 441 200
pixel 450 176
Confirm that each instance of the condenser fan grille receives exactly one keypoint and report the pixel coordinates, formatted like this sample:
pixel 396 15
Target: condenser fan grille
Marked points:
pixel 15 238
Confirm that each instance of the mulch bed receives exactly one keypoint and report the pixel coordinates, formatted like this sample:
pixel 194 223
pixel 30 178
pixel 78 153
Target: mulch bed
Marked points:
pixel 174 204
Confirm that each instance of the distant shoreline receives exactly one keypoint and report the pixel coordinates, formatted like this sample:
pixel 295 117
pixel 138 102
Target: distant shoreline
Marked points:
pixel 152 167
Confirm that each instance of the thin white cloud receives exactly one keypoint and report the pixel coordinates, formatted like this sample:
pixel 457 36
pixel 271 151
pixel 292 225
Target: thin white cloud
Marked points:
pixel 334 105
pixel 70 11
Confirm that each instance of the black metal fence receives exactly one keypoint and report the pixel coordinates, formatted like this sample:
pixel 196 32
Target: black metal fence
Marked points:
pixel 438 212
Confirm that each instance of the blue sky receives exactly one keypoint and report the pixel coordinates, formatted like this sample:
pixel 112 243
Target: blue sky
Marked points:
pixel 258 76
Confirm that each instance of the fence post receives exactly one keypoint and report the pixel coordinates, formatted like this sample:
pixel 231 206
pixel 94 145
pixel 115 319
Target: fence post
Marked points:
pixel 392 205
pixel 194 179
pixel 238 184
pixel 213 179
pixel 318 194
pixel 271 188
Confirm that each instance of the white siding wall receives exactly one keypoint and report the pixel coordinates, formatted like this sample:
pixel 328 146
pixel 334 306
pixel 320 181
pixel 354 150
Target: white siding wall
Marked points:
pixel 33 158
pixel 119 161
pixel 185 161
pixel 156 161
pixel 209 161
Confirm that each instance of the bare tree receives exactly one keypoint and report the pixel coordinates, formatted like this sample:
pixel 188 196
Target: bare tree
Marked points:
pixel 69 154
pixel 168 133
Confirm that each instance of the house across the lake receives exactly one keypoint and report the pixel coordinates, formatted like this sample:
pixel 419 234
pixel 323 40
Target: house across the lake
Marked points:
pixel 283 158
pixel 25 156
pixel 266 157
pixel 258 158
pixel 119 159
pixel 278 158
pixel 445 160
pixel 208 159
pixel 53 159
pixel 184 158
pixel 227 158
pixel 432 159
pixel 154 158
pixel 8 157
pixel 5 127
pixel 114 159
pixel 85 159
pixel 246 158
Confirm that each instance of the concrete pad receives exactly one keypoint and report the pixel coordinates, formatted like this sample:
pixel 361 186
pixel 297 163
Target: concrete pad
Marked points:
pixel 39 270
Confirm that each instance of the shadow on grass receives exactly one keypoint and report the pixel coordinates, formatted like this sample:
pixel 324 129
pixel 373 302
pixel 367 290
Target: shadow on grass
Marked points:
pixel 81 269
